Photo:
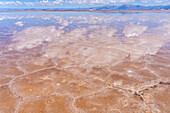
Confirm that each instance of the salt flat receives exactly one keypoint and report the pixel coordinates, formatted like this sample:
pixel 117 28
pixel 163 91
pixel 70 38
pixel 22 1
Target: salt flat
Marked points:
pixel 85 62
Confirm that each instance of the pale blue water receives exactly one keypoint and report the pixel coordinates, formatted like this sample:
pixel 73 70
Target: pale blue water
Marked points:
pixel 78 20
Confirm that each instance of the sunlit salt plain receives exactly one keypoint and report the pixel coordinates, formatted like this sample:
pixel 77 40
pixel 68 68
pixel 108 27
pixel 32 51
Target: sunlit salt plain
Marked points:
pixel 85 62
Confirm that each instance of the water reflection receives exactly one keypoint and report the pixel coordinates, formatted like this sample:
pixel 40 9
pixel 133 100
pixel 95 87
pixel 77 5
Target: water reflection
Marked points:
pixel 87 57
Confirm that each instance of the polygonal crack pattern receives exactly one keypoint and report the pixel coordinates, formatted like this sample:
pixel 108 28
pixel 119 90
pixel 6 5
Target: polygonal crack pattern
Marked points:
pixel 85 76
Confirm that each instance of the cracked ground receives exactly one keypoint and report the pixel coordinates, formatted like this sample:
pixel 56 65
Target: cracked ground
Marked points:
pixel 86 70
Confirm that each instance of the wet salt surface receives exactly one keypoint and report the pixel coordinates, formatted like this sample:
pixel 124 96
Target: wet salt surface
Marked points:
pixel 85 62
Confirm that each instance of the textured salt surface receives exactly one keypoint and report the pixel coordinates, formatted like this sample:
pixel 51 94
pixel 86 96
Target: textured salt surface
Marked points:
pixel 87 69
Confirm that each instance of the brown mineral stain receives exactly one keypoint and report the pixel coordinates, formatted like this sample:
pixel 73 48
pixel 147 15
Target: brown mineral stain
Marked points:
pixel 10 71
pixel 106 101
pixel 5 80
pixel 47 104
pixel 8 101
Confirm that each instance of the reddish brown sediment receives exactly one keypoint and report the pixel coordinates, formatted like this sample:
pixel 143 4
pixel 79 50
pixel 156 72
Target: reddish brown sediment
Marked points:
pixel 8 99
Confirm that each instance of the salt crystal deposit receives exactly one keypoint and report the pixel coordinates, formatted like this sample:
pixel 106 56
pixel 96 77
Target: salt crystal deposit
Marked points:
pixel 86 64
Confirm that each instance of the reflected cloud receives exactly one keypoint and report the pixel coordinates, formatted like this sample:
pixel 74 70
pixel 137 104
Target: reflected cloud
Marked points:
pixel 103 39
pixel 19 23
pixel 134 30
pixel 133 36
pixel 32 37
